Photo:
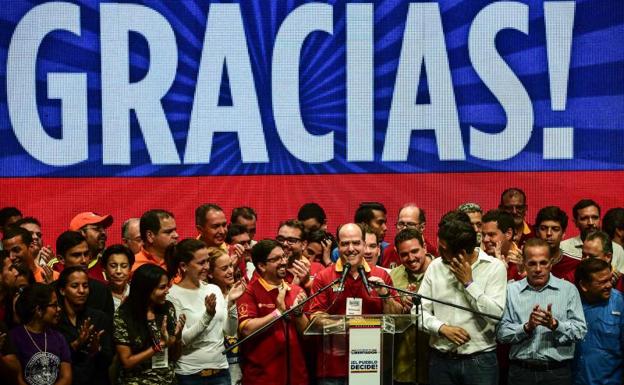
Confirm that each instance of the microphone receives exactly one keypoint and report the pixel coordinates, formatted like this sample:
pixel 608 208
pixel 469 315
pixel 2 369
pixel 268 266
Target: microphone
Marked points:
pixel 364 279
pixel 345 271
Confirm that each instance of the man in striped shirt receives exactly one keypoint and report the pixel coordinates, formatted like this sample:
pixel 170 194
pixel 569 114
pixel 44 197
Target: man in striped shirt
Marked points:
pixel 543 320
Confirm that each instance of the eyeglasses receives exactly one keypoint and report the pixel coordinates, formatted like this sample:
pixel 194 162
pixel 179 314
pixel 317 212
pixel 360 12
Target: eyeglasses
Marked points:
pixel 277 259
pixel 53 304
pixel 409 225
pixel 289 240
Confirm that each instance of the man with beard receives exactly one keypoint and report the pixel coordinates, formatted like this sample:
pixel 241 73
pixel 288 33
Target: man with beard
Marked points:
pixel 586 214
pixel 93 227
pixel 158 232
pixel 16 241
pixel 267 359
pixel 333 301
pixel 463 344
pixel 513 201
pixel 599 357
pixel 290 237
pixel 543 320
pixel 212 226
pixel 414 262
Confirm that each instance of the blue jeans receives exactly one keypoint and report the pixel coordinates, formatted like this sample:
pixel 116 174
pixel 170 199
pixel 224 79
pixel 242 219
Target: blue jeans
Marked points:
pixel 221 378
pixel 479 369
pixel 522 376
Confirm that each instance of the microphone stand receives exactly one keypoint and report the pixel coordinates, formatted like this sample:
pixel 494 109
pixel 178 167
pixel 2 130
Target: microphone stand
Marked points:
pixel 284 315
pixel 420 297
pixel 417 302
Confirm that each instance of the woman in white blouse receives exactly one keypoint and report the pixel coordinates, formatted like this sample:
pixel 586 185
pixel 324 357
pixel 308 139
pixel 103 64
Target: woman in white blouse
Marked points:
pixel 207 316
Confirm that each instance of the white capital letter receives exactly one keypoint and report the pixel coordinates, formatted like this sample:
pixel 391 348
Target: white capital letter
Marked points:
pixel 423 41
pixel 285 73
pixel 119 96
pixel 70 88
pixel 225 43
pixel 501 80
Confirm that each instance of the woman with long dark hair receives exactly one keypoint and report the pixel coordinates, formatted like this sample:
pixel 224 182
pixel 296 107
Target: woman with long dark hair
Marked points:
pixel 87 330
pixel 202 360
pixel 146 334
pixel 42 351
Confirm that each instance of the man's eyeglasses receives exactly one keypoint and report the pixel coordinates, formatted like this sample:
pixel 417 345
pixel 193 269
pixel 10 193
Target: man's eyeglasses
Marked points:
pixel 289 240
pixel 409 225
pixel 278 258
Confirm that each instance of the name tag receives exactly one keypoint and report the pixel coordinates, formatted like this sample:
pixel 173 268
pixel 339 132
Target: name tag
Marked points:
pixel 354 306
pixel 615 312
pixel 160 360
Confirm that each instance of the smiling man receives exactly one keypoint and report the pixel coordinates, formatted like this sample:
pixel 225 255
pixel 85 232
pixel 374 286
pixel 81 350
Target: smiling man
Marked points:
pixel 415 260
pixel 543 320
pixel 599 358
pixel 212 226
pixel 267 359
pixel 333 301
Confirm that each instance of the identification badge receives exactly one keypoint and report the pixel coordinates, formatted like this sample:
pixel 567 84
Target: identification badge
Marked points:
pixel 354 306
pixel 160 360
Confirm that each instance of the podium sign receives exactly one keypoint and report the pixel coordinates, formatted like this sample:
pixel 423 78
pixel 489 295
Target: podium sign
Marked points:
pixel 365 352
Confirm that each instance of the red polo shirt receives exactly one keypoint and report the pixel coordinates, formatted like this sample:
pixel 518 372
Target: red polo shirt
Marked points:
pixel 265 356
pixel 332 362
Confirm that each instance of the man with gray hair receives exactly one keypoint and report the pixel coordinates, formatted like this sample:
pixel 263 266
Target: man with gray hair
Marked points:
pixel 131 235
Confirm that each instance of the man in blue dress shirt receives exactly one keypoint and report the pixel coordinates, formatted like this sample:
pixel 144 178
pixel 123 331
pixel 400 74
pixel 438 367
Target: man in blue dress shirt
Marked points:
pixel 543 320
pixel 599 358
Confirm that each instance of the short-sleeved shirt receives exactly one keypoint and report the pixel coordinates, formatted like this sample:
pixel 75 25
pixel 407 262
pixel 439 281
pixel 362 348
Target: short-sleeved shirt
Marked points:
pixel 335 302
pixel 265 359
pixel 41 360
pixel 143 373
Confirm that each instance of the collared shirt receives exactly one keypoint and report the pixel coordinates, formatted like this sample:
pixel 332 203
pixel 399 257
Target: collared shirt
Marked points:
pixel 574 247
pixel 542 344
pixel 265 356
pixel 485 294
pixel 143 257
pixel 401 277
pixel 599 358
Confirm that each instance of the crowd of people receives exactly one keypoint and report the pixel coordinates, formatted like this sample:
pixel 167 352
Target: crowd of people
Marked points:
pixel 537 308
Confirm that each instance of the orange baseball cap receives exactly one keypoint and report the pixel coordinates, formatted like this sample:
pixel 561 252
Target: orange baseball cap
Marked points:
pixel 90 218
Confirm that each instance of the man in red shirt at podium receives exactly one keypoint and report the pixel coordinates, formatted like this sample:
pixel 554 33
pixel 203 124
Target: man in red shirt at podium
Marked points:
pixel 353 299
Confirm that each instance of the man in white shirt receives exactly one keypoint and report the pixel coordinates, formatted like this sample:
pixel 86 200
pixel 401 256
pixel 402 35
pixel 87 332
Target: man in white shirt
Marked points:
pixel 586 214
pixel 463 344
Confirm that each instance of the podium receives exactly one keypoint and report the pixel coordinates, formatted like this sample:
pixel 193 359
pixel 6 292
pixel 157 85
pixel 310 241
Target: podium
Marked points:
pixel 357 348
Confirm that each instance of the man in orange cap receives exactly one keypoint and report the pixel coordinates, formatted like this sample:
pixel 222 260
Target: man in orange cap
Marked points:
pixel 93 227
